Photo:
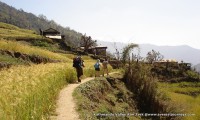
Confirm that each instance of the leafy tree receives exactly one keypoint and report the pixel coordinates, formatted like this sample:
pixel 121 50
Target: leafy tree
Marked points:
pixel 153 56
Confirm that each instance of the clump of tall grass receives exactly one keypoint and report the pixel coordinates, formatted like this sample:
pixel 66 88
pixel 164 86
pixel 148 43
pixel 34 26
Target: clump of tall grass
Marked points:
pixel 138 79
pixel 30 50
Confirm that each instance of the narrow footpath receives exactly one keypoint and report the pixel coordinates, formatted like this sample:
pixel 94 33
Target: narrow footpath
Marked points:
pixel 65 103
pixel 66 108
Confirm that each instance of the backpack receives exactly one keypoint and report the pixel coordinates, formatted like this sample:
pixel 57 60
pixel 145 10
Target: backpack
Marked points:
pixel 76 62
pixel 96 65
pixel 105 63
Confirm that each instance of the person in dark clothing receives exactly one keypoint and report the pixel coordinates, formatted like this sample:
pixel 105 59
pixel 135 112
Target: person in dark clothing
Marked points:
pixel 78 64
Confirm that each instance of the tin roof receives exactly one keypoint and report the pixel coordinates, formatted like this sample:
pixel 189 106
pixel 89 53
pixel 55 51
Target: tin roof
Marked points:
pixel 51 30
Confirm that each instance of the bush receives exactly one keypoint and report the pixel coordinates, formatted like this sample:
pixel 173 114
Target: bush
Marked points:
pixel 193 75
pixel 40 43
pixel 139 80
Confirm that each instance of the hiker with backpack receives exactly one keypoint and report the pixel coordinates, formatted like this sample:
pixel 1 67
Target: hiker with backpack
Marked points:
pixel 78 64
pixel 97 68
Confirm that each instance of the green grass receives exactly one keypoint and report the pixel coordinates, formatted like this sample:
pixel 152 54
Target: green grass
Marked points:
pixel 99 97
pixel 183 96
pixel 10 60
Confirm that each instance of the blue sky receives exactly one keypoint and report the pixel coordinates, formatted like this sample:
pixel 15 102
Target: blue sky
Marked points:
pixel 159 22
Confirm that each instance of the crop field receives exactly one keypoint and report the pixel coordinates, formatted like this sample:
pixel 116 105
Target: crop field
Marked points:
pixel 185 96
pixel 29 92
pixel 23 88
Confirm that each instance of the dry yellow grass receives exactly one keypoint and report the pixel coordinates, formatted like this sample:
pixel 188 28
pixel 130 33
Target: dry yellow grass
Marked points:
pixel 15 46
pixel 21 86
pixel 29 92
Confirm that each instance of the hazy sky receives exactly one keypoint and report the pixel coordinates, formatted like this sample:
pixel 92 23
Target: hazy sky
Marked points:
pixel 159 22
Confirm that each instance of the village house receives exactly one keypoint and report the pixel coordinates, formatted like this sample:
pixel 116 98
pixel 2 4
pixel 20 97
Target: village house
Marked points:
pixel 96 51
pixel 52 34
pixel 166 62
pixel 186 66
pixel 173 63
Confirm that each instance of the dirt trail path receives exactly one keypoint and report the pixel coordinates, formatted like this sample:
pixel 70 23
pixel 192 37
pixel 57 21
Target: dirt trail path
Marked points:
pixel 65 104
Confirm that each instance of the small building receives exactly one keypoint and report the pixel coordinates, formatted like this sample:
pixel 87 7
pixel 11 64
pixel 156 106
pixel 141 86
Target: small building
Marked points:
pixel 52 34
pixel 168 62
pixel 98 50
pixel 186 66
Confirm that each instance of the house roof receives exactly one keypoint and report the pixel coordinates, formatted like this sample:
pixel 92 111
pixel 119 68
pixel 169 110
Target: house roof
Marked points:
pixel 167 60
pixel 51 30
pixel 101 47
pixel 96 47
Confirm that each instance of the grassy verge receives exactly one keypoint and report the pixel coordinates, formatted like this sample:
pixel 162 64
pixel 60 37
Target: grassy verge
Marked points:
pixel 104 99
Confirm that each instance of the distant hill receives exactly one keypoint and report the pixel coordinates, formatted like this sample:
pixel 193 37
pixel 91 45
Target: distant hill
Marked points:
pixel 184 52
pixel 30 21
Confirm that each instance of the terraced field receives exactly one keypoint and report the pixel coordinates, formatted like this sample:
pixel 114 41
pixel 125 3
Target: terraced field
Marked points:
pixel 185 96
pixel 29 90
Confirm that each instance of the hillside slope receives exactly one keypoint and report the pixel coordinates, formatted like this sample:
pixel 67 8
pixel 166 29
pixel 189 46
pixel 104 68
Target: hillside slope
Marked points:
pixel 30 21
pixel 105 98
pixel 28 90
pixel 11 32
pixel 22 46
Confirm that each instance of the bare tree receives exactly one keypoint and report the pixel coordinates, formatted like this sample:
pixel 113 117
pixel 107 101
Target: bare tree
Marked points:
pixel 153 56
pixel 117 51
pixel 86 42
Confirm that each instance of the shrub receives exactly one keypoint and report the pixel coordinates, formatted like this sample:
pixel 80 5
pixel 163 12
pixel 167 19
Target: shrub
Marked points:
pixel 193 75
pixel 40 43
pixel 139 79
